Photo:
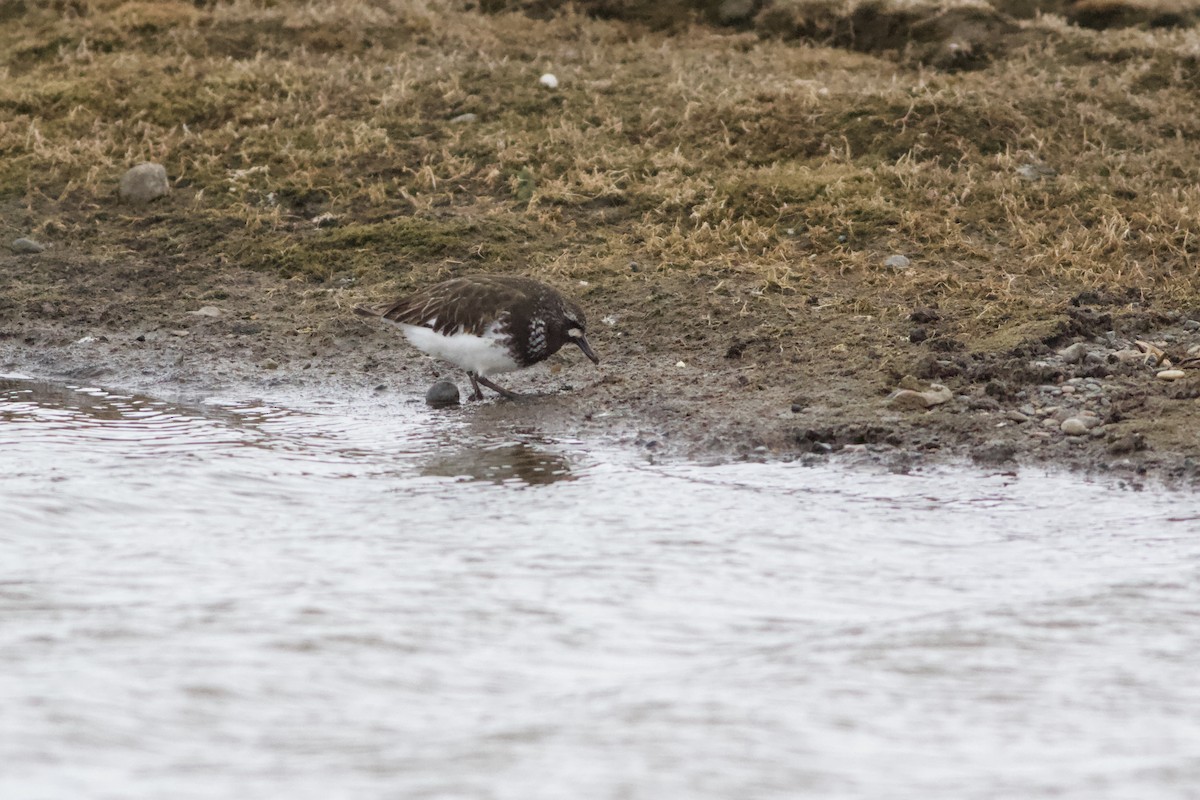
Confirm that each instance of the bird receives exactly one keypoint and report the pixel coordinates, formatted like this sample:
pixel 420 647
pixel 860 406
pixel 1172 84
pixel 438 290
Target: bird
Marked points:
pixel 488 324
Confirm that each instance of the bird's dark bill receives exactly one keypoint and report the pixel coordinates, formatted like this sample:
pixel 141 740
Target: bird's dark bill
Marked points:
pixel 587 349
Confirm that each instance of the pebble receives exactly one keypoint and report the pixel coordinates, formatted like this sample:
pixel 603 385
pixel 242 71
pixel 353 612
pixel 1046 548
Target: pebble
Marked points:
pixel 1129 356
pixel 144 183
pixel 1191 325
pixel 980 403
pixel 912 400
pixel 1074 354
pixel 907 400
pixel 442 394
pixel 1016 416
pixel 1036 172
pixel 206 311
pixel 1170 375
pixel 1074 426
pixel 549 81
pixel 1068 390
pixel 462 118
pixel 897 262
pixel 26 246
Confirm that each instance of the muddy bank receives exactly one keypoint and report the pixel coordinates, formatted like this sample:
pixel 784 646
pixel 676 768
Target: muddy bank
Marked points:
pixel 1085 396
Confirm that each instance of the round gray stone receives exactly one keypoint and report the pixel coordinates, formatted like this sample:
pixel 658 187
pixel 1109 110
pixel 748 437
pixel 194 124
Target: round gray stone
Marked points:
pixel 26 246
pixel 1074 354
pixel 442 394
pixel 144 183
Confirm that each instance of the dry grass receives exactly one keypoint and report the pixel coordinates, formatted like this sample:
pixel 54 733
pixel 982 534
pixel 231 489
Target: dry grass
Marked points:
pixel 782 173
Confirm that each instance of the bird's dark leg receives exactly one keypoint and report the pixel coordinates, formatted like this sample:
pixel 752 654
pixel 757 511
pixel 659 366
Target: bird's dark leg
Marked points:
pixel 476 393
pixel 497 389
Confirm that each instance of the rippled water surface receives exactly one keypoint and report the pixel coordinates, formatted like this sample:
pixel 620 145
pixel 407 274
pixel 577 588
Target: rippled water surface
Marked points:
pixel 237 600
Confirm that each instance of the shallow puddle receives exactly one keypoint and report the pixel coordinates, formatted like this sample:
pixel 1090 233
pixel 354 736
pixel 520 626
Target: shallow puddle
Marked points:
pixel 226 599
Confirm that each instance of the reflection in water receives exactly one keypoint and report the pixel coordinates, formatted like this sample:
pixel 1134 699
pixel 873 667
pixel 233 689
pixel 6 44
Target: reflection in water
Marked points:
pixel 513 461
pixel 22 399
pixel 298 603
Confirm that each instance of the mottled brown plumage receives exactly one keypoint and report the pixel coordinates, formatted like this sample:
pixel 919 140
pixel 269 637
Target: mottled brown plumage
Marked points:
pixel 489 323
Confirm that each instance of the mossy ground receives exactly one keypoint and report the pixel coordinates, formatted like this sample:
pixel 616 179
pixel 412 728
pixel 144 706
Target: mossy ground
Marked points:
pixel 719 191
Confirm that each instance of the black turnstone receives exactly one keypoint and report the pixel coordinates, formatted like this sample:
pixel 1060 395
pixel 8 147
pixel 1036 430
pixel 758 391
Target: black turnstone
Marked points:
pixel 488 324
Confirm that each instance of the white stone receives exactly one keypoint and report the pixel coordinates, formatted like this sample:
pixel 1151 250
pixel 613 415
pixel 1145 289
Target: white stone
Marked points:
pixel 1170 375
pixel 1074 354
pixel 549 81
pixel 144 183
pixel 1074 426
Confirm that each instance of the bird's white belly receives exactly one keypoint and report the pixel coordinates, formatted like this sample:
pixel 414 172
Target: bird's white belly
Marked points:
pixel 484 355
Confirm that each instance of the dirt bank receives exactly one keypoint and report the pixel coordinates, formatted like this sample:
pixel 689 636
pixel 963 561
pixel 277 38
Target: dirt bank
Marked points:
pixel 786 249
pixel 671 388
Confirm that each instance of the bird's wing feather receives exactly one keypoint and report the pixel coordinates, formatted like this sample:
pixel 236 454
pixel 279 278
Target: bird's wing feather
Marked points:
pixel 467 305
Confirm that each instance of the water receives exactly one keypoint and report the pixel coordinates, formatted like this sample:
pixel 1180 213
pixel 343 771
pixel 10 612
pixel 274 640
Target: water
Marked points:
pixel 233 600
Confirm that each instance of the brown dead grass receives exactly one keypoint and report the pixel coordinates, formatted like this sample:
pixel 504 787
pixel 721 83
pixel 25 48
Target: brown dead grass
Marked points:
pixel 764 176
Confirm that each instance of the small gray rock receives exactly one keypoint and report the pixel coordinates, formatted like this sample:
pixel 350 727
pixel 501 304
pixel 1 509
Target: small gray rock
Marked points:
pixel 1074 426
pixel 982 404
pixel 1074 354
pixel 26 246
pixel 1191 325
pixel 907 400
pixel 144 183
pixel 206 311
pixel 442 394
pixel 897 262
pixel 912 400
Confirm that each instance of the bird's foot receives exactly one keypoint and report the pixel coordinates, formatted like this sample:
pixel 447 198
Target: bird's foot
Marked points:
pixel 500 390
